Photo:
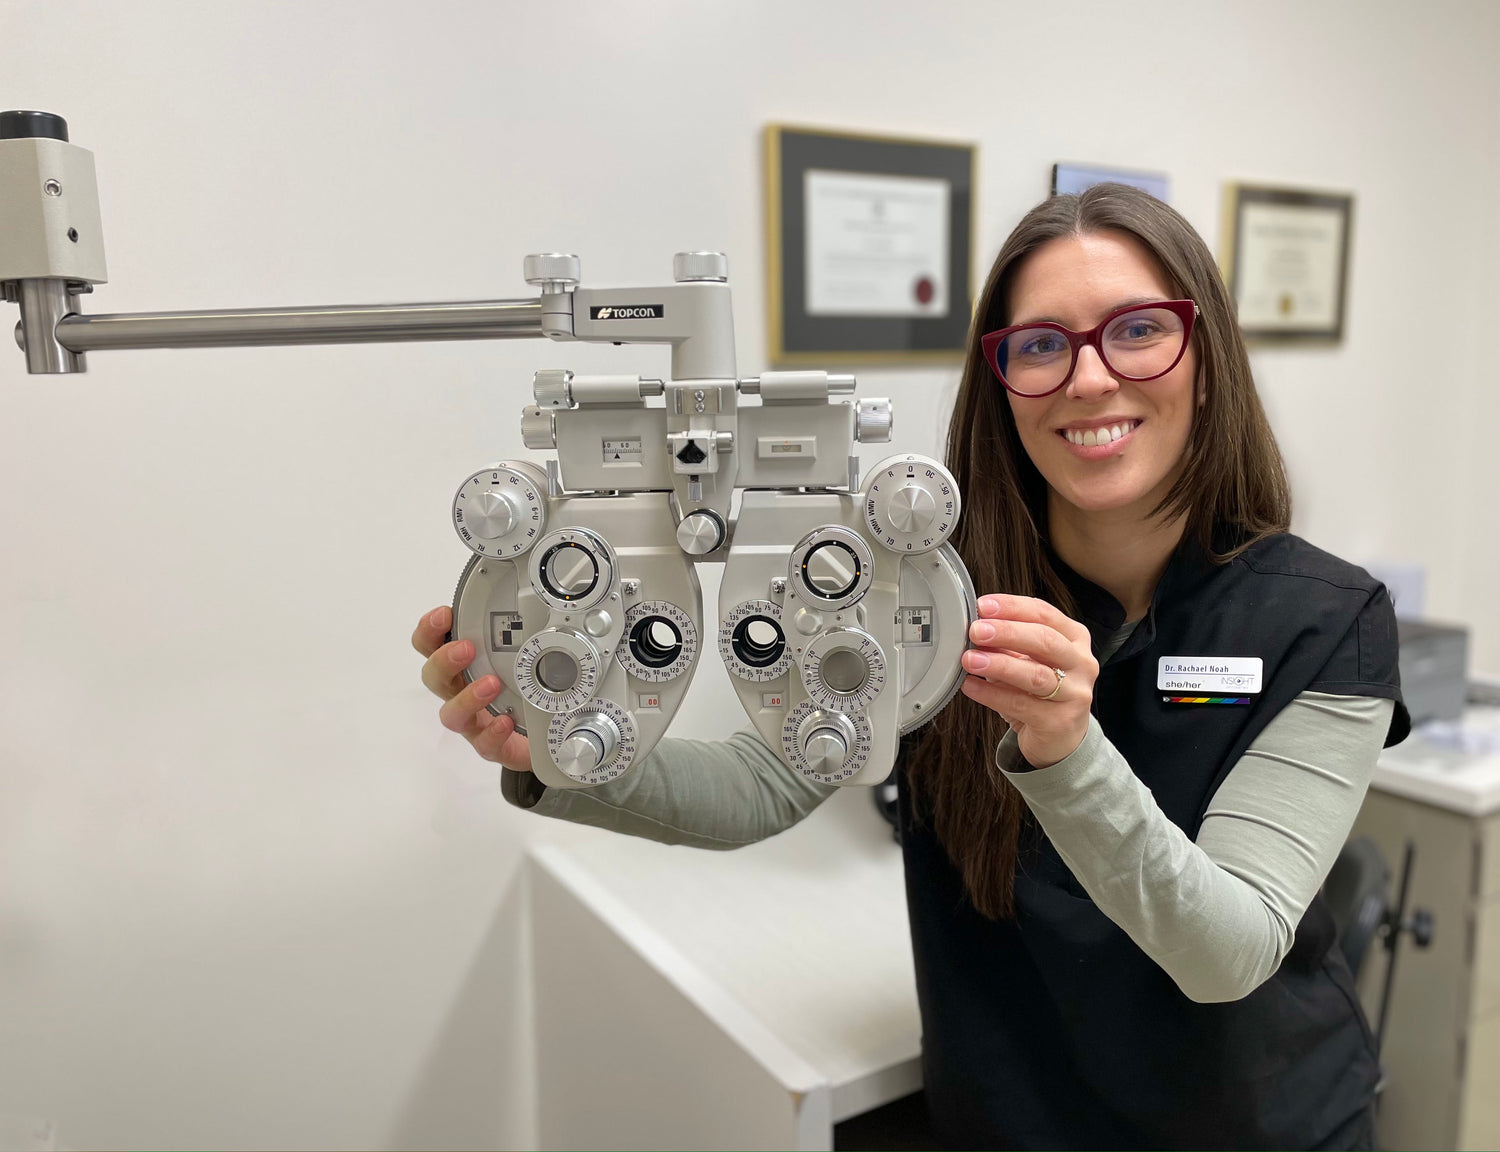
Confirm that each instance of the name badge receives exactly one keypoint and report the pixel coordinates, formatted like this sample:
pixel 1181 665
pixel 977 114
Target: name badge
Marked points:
pixel 1208 679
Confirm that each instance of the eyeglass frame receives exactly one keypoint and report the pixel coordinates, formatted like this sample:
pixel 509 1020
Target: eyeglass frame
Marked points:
pixel 1185 310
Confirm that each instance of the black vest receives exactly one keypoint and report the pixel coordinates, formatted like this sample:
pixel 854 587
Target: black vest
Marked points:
pixel 1055 1030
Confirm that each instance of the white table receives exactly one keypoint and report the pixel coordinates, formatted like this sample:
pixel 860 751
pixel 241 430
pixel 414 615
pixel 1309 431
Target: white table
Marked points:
pixel 745 999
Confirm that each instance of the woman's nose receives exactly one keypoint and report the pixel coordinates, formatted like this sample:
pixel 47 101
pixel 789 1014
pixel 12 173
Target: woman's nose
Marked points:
pixel 1091 379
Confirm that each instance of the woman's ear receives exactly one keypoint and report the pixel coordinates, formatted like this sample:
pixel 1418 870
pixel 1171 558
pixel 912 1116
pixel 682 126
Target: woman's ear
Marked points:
pixel 1201 387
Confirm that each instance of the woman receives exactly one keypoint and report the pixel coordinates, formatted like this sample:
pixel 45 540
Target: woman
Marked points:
pixel 1112 883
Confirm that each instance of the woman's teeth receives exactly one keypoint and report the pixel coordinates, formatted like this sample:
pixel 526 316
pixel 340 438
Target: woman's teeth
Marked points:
pixel 1092 437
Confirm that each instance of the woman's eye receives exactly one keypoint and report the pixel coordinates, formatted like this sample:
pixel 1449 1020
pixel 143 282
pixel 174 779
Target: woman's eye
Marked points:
pixel 1042 346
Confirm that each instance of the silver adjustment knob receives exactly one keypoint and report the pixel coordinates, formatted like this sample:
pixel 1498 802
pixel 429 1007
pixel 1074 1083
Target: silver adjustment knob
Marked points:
pixel 690 266
pixel 872 421
pixel 588 743
pixel 538 428
pixel 494 514
pixel 911 509
pixel 553 388
pixel 501 510
pixel 826 738
pixel 700 532
pixel 552 272
pixel 911 504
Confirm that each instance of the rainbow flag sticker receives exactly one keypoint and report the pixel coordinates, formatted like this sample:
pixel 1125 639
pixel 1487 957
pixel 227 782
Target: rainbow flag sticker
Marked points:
pixel 1205 699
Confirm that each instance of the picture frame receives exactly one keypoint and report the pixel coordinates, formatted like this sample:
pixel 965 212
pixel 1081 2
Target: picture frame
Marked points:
pixel 869 247
pixel 1286 261
pixel 1073 178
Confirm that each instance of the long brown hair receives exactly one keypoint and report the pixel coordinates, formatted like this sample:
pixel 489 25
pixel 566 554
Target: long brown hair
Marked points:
pixel 1232 475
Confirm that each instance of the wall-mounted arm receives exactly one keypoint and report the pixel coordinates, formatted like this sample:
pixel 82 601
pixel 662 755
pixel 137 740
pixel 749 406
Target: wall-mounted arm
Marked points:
pixel 52 252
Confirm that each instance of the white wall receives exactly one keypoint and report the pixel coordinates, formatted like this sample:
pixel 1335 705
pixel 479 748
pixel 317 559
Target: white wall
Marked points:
pixel 250 892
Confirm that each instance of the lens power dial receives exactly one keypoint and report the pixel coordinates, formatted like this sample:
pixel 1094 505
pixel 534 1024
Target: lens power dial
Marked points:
pixel 501 510
pixel 911 504
pixel 595 744
pixel 826 746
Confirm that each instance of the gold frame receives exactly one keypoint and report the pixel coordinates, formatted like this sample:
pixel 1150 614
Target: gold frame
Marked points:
pixel 1231 250
pixel 776 352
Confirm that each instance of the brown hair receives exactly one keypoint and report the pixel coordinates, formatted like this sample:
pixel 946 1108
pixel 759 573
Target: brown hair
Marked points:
pixel 1232 475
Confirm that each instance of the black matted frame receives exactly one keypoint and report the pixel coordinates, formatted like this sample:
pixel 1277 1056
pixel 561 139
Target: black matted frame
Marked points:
pixel 1236 197
pixel 794 337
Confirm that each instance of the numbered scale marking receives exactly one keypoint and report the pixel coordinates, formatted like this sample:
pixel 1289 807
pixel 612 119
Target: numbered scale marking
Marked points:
pixel 843 670
pixel 611 766
pixel 752 642
pixel 556 670
pixel 911 504
pixel 500 511
pixel 791 746
pixel 649 656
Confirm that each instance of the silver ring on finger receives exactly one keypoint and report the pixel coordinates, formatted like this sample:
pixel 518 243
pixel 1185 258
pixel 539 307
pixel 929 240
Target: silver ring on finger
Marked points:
pixel 1061 676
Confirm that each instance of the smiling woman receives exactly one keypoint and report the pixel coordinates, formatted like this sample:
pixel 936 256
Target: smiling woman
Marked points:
pixel 1125 494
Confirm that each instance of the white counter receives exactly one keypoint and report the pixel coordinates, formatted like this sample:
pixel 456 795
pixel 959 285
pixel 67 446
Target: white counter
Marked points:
pixel 1432 765
pixel 691 999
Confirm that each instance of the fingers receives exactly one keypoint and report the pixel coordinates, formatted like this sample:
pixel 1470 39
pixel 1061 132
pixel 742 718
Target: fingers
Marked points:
pixel 443 672
pixel 1042 643
pixel 1030 610
pixel 1021 675
pixel 432 630
pixel 501 743
pixel 458 714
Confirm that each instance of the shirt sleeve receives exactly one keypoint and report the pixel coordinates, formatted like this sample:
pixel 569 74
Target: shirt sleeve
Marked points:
pixel 705 794
pixel 1219 914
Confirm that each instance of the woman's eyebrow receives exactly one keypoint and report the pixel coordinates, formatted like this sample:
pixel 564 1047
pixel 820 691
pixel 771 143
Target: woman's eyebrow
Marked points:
pixel 1131 303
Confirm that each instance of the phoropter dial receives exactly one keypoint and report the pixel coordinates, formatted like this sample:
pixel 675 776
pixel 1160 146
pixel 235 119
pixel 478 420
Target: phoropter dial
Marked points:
pixel 843 670
pixel 832 567
pixel 752 642
pixel 911 504
pixel 572 568
pixel 501 510
pixel 825 746
pixel 661 641
pixel 557 670
pixel 593 745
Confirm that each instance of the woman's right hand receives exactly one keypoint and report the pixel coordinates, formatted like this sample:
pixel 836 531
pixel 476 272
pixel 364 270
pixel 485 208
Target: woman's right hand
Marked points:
pixel 464 707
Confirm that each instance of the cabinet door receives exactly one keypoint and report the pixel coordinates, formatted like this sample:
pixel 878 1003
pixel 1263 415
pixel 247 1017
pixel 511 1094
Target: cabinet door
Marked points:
pixel 1430 1002
pixel 1481 1113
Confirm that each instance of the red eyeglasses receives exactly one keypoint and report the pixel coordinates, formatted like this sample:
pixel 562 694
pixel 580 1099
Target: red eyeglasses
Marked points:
pixel 1140 342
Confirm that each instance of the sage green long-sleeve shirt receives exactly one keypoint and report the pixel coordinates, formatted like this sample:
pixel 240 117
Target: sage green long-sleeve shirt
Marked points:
pixel 1217 913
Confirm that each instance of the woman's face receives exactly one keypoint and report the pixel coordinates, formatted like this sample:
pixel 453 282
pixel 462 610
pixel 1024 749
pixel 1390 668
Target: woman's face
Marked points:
pixel 1076 281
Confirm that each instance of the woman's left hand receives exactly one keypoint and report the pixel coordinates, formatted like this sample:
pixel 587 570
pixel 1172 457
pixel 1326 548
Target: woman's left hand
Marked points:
pixel 1036 668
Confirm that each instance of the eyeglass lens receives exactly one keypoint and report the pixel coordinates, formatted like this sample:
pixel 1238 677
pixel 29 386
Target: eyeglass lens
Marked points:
pixel 1137 345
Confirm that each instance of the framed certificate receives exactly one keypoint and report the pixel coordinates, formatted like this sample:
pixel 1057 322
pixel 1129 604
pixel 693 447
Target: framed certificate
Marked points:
pixel 869 245
pixel 1074 178
pixel 1286 258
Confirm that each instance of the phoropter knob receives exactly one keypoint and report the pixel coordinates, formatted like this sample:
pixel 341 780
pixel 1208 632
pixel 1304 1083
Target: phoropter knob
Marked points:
pixel 553 388
pixel 691 266
pixel 872 420
pixel 826 739
pixel 700 532
pixel 552 272
pixel 589 742
pixel 538 428
pixel 501 510
pixel 24 125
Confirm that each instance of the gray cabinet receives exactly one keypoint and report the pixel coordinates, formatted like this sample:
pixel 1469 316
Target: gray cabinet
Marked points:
pixel 1442 1042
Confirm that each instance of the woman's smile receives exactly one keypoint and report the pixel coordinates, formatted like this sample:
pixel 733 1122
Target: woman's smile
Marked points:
pixel 1100 439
